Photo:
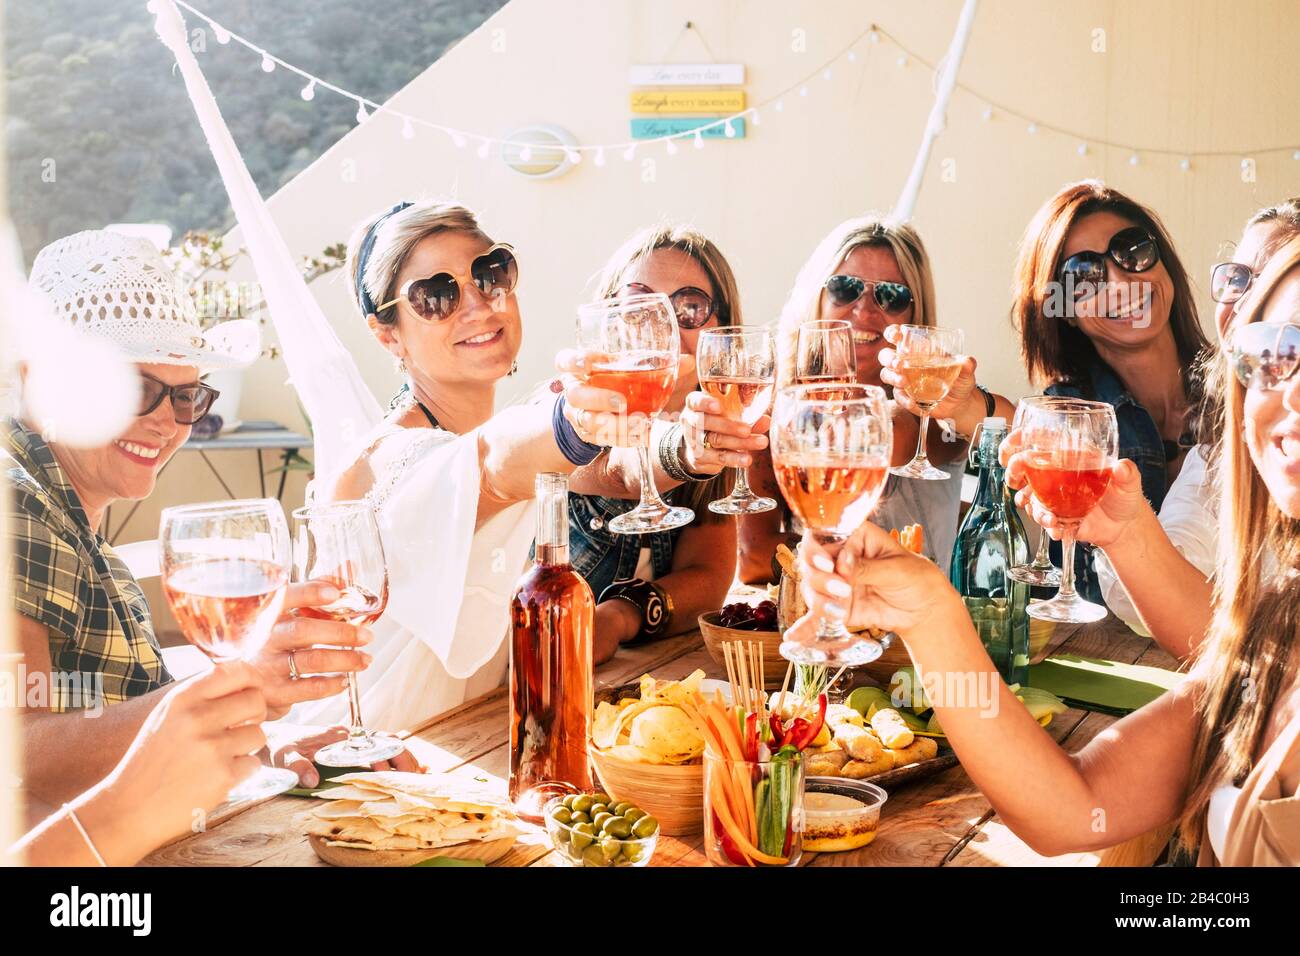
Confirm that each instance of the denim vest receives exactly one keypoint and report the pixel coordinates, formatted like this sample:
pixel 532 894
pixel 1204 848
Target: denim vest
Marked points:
pixel 1139 441
pixel 603 557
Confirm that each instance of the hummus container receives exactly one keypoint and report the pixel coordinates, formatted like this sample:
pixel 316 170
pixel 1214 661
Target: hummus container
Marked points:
pixel 840 814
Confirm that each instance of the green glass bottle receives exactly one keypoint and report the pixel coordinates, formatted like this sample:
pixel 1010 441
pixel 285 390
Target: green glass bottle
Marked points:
pixel 990 541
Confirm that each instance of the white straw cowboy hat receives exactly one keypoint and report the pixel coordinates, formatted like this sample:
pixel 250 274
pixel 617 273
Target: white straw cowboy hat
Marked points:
pixel 119 289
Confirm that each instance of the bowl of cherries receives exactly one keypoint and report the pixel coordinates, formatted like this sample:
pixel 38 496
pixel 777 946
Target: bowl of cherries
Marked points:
pixel 746 622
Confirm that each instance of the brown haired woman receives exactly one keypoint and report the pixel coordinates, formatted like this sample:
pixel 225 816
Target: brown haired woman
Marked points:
pixel 1105 313
pixel 1221 753
pixel 651 586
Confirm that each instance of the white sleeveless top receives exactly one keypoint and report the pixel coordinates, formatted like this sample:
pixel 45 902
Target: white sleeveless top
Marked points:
pixel 441 640
pixel 1222 802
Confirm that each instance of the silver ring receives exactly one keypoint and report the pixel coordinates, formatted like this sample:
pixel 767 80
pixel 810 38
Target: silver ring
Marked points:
pixel 293 667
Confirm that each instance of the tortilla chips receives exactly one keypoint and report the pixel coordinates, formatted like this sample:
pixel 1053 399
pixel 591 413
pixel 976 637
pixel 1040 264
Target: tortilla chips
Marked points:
pixel 653 729
pixel 392 810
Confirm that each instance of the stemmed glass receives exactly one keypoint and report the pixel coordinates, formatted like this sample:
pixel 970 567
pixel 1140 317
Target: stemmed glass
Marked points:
pixel 1069 448
pixel 830 449
pixel 225 567
pixel 929 361
pixel 339 543
pixel 737 366
pixel 1039 571
pixel 635 344
pixel 824 353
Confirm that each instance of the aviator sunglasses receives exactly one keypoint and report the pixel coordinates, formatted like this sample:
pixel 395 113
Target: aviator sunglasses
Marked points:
pixel 892 297
pixel 1132 249
pixel 1229 281
pixel 495 273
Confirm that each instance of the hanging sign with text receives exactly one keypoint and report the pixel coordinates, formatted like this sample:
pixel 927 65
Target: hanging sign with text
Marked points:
pixel 656 128
pixel 723 102
pixel 686 74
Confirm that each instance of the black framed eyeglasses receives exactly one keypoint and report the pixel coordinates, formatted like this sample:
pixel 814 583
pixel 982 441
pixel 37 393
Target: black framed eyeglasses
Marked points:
pixel 1263 355
pixel 190 403
pixel 892 297
pixel 1229 281
pixel 495 274
pixel 1133 249
pixel 693 306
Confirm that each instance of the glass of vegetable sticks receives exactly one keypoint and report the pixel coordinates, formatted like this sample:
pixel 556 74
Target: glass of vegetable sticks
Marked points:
pixel 753 810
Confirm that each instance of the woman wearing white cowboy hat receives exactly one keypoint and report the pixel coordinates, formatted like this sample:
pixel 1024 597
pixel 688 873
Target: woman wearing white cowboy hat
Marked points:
pixel 82 616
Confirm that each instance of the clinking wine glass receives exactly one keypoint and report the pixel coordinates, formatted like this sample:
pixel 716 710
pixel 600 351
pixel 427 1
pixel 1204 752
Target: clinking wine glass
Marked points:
pixel 225 567
pixel 929 361
pixel 339 544
pixel 737 366
pixel 1069 448
pixel 633 347
pixel 830 449
pixel 824 353
pixel 1040 571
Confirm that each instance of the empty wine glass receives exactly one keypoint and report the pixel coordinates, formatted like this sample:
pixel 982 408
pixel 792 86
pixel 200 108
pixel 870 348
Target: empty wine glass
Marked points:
pixel 1068 448
pixel 1039 571
pixel 830 450
pixel 929 361
pixel 635 344
pixel 339 544
pixel 737 366
pixel 225 567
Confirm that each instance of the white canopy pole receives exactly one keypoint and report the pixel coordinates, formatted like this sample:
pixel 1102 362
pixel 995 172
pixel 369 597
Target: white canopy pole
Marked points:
pixel 939 112
pixel 340 405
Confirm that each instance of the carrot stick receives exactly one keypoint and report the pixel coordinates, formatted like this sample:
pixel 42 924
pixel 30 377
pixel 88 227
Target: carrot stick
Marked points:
pixel 746 846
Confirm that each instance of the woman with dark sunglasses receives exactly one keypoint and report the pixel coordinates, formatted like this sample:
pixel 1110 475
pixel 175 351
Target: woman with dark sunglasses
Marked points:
pixel 874 273
pixel 83 621
pixel 652 586
pixel 1143 557
pixel 1218 756
pixel 1105 312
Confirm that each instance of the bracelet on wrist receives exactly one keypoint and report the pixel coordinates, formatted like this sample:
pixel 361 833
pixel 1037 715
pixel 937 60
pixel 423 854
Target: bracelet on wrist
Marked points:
pixel 670 458
pixel 567 439
pixel 653 604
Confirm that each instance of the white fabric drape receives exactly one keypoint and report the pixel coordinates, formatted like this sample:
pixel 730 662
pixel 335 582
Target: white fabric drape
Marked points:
pixel 338 402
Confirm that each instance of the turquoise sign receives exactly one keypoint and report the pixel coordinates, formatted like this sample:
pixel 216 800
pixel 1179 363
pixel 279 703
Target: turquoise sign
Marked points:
pixel 656 128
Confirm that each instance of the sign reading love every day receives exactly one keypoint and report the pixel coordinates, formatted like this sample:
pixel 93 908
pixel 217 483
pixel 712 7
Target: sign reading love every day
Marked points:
pixel 674 111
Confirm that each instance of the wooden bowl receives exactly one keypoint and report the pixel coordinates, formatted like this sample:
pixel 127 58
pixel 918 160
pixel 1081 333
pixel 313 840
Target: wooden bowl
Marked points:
pixel 674 795
pixel 489 851
pixel 715 635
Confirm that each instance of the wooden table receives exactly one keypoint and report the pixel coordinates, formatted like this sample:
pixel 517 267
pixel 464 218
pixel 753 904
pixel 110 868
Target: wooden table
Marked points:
pixel 941 821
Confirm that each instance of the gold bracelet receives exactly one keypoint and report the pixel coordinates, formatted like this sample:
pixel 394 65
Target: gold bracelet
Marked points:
pixel 72 815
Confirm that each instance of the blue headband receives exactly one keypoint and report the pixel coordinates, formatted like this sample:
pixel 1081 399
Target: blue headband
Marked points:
pixel 363 257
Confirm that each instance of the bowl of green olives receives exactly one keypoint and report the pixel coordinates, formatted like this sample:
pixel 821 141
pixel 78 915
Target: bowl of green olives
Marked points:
pixel 592 829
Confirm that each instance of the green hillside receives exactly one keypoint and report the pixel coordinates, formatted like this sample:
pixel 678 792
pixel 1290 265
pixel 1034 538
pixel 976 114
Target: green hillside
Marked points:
pixel 91 89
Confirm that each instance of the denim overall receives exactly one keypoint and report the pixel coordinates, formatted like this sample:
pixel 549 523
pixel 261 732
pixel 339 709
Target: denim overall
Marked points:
pixel 603 557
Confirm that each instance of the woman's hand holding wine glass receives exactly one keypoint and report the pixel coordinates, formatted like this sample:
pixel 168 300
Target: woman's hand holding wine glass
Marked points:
pixel 1114 514
pixel 961 391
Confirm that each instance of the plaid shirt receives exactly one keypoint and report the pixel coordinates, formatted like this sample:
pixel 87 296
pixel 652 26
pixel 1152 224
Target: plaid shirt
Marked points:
pixel 68 578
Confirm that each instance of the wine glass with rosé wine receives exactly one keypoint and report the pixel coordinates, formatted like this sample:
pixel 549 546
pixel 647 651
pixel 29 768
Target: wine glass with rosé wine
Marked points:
pixel 632 348
pixel 737 366
pixel 830 450
pixel 339 544
pixel 824 353
pixel 225 567
pixel 929 362
pixel 1040 571
pixel 1068 449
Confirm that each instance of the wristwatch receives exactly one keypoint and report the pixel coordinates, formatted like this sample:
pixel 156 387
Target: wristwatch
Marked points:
pixel 652 602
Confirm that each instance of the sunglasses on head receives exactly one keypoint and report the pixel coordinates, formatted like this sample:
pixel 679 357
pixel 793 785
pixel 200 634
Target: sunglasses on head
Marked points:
pixel 190 403
pixel 1132 249
pixel 1229 281
pixel 693 306
pixel 495 274
pixel 892 297
pixel 1263 355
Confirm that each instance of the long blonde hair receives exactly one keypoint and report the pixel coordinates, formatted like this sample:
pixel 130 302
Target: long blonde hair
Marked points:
pixel 1249 655
pixel 805 300
pixel 726 297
